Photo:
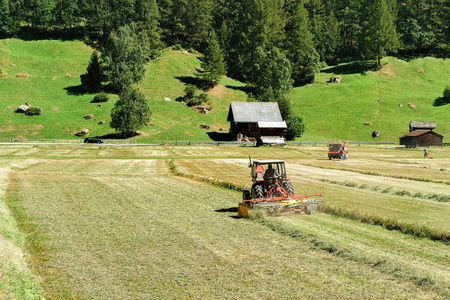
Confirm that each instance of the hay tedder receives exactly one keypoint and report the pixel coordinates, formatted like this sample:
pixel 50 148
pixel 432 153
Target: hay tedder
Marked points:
pixel 272 190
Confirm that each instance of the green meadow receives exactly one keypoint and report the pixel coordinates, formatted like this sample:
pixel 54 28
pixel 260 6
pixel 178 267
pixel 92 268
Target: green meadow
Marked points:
pixel 46 73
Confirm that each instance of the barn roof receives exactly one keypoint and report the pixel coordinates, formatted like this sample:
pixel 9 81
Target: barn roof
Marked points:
pixel 419 132
pixel 254 112
pixel 422 124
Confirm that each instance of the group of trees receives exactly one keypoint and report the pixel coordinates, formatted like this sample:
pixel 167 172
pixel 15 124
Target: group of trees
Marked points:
pixel 270 44
pixel 122 64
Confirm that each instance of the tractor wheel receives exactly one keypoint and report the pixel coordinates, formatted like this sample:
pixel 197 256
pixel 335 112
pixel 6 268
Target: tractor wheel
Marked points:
pixel 257 192
pixel 288 188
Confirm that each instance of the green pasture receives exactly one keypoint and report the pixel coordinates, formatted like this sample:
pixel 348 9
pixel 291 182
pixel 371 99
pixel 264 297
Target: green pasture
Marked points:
pixel 330 110
pixel 381 98
pixel 101 221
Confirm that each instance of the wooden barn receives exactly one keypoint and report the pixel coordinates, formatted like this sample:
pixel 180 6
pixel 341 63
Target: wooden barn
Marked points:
pixel 260 121
pixel 421 134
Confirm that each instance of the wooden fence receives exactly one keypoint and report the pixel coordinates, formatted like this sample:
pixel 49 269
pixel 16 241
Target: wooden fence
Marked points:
pixel 180 143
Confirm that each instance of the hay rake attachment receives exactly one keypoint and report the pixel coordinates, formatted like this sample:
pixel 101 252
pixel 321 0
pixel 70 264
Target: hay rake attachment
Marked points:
pixel 296 204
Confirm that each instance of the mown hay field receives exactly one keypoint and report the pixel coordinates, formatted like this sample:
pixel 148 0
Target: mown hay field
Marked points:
pixel 106 222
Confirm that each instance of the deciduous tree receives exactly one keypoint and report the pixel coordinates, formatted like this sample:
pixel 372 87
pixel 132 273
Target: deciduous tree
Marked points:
pixel 130 113
pixel 124 58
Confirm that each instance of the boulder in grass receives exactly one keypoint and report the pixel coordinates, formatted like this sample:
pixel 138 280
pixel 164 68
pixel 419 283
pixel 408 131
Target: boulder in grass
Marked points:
pixel 204 126
pixel 82 132
pixel 375 134
pixel 23 108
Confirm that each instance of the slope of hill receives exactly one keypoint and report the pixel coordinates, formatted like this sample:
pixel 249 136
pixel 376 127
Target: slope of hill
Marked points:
pixel 379 98
pixel 45 73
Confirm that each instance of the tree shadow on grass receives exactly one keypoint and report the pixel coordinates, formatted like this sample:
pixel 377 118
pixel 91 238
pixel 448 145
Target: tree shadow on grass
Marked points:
pixel 244 89
pixel 116 136
pixel 199 83
pixel 352 68
pixel 441 101
pixel 76 90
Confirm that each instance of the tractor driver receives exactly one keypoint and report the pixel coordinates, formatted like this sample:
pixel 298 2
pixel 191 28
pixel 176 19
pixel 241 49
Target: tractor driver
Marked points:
pixel 271 173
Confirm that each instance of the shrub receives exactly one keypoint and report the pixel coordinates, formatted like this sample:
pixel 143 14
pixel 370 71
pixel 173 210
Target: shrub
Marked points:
pixel 193 102
pixel 190 91
pixel 203 97
pixel 102 97
pixel 34 111
pixel 445 99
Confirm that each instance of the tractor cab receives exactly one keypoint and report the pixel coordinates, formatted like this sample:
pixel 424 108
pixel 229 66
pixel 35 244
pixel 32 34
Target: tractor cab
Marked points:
pixel 260 169
pixel 269 179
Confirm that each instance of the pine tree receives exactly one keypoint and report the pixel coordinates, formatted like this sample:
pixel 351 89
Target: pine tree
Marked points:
pixel 147 19
pixel 378 32
pixel 130 113
pixel 260 25
pixel 92 81
pixel 212 64
pixel 300 46
pixel 5 19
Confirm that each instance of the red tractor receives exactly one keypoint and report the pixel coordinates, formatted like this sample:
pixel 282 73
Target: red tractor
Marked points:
pixel 271 189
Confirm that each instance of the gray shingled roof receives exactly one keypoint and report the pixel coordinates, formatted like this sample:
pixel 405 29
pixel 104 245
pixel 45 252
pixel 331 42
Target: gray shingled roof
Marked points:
pixel 253 112
pixel 421 124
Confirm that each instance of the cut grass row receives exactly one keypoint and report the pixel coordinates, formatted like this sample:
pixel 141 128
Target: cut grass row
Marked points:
pixel 394 254
pixel 105 232
pixel 390 190
pixel 16 279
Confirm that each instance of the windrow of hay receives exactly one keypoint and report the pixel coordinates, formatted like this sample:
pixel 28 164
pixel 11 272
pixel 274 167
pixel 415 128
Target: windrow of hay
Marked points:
pixel 390 190
pixel 414 229
pixel 373 173
pixel 410 272
pixel 16 280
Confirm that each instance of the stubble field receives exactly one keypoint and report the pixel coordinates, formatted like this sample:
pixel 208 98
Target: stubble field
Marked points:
pixel 106 222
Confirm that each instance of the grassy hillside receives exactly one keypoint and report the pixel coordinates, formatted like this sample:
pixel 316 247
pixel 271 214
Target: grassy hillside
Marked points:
pixel 330 110
pixel 380 98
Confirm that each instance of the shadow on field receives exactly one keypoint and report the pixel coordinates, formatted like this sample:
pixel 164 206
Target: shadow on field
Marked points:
pixel 76 90
pixel 115 136
pixel 441 101
pixel 191 80
pixel 220 136
pixel 229 210
pixel 244 89
pixel 352 68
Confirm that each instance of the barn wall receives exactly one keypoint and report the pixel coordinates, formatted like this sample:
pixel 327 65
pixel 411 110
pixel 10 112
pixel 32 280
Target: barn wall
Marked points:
pixel 247 129
pixel 429 139
pixel 409 141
